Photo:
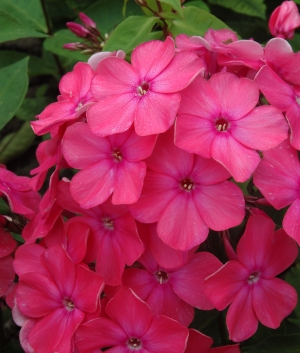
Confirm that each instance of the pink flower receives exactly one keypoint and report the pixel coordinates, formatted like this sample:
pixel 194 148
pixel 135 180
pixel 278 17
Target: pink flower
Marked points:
pixel 218 119
pixel 143 93
pixel 109 165
pixel 248 284
pixel 131 326
pixel 186 194
pixel 284 20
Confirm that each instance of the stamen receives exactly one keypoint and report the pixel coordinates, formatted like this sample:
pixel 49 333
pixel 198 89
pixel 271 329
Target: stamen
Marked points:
pixel 117 156
pixel 143 88
pixel 222 124
pixel 108 223
pixel 187 184
pixel 134 343
pixel 254 277
pixel 161 276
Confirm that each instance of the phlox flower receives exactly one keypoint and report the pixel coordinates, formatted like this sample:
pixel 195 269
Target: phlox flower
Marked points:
pixel 248 283
pixel 57 298
pixel 143 93
pixel 109 165
pixel 186 195
pixel 218 119
pixel 278 179
pixel 284 20
pixel 130 326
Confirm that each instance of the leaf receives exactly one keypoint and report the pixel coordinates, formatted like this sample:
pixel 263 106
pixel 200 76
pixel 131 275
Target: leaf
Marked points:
pixel 198 3
pixel 169 15
pixel 292 277
pixel 195 23
pixel 32 107
pixel 295 42
pixel 30 15
pixel 130 33
pixel 276 344
pixel 55 45
pixel 16 143
pixel 176 5
pixel 4 208
pixel 11 29
pixel 13 87
pixel 255 8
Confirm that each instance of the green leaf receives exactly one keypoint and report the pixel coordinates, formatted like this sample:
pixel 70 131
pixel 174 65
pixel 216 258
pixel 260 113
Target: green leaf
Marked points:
pixel 198 3
pixel 11 28
pixel 13 87
pixel 30 14
pixel 130 33
pixel 295 42
pixel 292 277
pixel 169 15
pixel 16 143
pixel 31 107
pixel 255 8
pixel 276 344
pixel 4 208
pixel 195 23
pixel 176 5
pixel 124 8
pixel 55 45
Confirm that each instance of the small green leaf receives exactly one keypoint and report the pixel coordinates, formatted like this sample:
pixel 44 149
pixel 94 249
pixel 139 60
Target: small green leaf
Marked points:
pixel 255 8
pixel 176 5
pixel 16 143
pixel 130 33
pixel 276 344
pixel 198 3
pixel 195 23
pixel 31 107
pixel 4 208
pixel 13 87
pixel 11 28
pixel 169 15
pixel 30 14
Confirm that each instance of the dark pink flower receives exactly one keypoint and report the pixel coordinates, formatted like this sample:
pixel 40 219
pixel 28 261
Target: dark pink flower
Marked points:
pixel 218 119
pixel 131 327
pixel 284 20
pixel 143 93
pixel 186 194
pixel 249 285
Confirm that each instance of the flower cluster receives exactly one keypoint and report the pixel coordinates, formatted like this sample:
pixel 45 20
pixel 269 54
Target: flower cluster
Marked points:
pixel 114 258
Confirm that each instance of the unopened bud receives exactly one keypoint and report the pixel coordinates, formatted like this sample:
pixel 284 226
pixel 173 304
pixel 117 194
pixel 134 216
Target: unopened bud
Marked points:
pixel 87 21
pixel 77 29
pixel 71 46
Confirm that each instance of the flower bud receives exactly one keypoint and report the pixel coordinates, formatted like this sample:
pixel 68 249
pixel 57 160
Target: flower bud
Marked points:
pixel 77 29
pixel 87 21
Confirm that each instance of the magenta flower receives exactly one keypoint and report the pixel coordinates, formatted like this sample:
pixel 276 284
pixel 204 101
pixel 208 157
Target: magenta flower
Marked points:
pixel 143 93
pixel 284 20
pixel 109 165
pixel 218 119
pixel 248 284
pixel 186 194
pixel 131 326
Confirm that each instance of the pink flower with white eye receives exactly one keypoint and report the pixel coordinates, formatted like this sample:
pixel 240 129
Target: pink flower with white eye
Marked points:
pixel 109 165
pixel 144 93
pixel 218 119
pixel 130 326
pixel 248 284
pixel 284 20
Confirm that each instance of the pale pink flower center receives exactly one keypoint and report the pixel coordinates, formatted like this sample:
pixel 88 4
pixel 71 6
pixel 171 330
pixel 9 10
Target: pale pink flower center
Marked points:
pixel 254 277
pixel 187 184
pixel 69 305
pixel 161 277
pixel 108 223
pixel 222 124
pixel 117 156
pixel 143 88
pixel 134 344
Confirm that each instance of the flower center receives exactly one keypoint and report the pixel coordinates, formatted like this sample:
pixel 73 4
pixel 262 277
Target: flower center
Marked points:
pixel 222 124
pixel 117 156
pixel 161 277
pixel 108 223
pixel 134 344
pixel 69 305
pixel 254 277
pixel 187 184
pixel 143 88
pixel 298 100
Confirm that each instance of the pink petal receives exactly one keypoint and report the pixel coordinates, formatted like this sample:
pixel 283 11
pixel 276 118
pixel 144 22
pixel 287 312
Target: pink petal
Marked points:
pixel 236 96
pixel 156 112
pixel 105 333
pixel 241 319
pixel 165 335
pixel 7 274
pixel 291 221
pixel 198 342
pixel 239 160
pixel 263 128
pixel 282 254
pixel 188 282
pixel 144 57
pixel 253 247
pixel 222 286
pixel 221 205
pixel 273 300
pixel 7 243
pixel 292 115
pixel 27 259
pixel 130 312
